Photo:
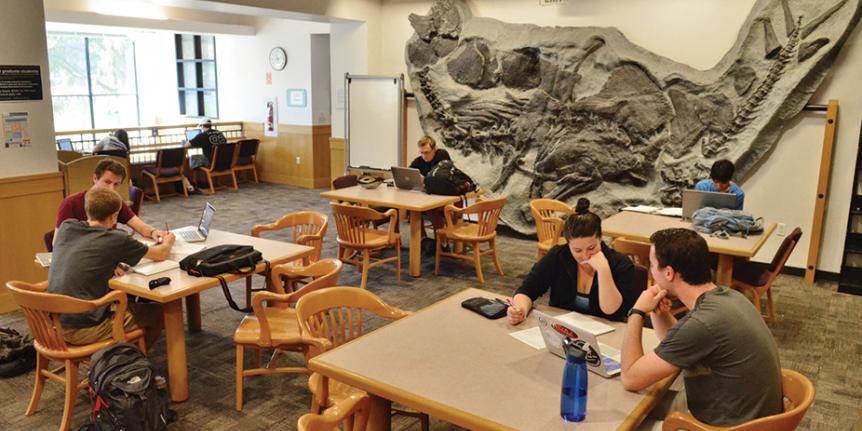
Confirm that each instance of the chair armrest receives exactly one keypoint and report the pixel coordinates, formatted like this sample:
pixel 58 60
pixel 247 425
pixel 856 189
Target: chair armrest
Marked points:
pixel 449 211
pixel 392 213
pixel 308 239
pixel 682 421
pixel 257 229
pixel 122 303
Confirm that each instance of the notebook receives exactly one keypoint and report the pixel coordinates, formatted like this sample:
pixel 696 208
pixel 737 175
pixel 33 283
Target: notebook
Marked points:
pixel 149 267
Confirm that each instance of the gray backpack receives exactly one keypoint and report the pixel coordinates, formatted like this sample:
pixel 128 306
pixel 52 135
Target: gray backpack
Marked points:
pixel 726 221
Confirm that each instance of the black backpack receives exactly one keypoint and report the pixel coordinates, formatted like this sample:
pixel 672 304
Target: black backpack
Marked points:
pixel 445 179
pixel 221 259
pixel 17 355
pixel 123 392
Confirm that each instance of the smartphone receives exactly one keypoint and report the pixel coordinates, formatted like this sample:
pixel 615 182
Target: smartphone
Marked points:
pixel 485 307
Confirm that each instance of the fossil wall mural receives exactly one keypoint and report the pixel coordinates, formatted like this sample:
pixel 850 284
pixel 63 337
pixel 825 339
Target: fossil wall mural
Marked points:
pixel 564 112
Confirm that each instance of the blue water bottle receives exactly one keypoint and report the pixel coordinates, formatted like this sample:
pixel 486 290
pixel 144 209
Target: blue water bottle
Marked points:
pixel 573 399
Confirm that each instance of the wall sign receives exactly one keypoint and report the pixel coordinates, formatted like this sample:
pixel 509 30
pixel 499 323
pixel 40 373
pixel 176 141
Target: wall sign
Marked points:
pixel 20 83
pixel 296 98
pixel 16 130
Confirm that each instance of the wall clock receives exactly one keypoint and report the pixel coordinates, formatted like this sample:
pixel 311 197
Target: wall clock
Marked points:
pixel 278 58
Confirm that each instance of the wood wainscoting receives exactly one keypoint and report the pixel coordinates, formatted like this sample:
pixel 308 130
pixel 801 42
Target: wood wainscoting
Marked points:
pixel 29 205
pixel 277 156
pixel 336 157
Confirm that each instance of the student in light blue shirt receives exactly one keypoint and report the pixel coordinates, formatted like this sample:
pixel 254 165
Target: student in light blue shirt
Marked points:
pixel 720 181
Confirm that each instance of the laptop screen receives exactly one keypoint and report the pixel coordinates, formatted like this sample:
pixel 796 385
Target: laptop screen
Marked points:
pixel 191 133
pixel 65 144
pixel 206 219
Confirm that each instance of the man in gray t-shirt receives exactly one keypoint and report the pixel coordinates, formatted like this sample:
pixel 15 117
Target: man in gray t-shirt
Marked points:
pixel 86 255
pixel 727 354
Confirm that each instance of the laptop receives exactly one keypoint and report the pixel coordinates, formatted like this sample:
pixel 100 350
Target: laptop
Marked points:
pixel 407 178
pixel 693 200
pixel 191 133
pixel 601 358
pixel 65 144
pixel 199 232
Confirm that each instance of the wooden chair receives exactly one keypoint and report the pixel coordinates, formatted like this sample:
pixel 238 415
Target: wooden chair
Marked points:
pixel 549 223
pixel 307 228
pixel 246 156
pixel 756 279
pixel 275 326
pixel 638 252
pixel 67 156
pixel 488 212
pixel 333 317
pixel 42 311
pixel 356 236
pixel 170 163
pixel 222 164
pixel 352 412
pixel 78 174
pixel 136 196
pixel 798 394
pixel 345 181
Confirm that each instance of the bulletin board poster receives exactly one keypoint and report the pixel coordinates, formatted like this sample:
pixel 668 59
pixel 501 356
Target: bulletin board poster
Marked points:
pixel 270 123
pixel 16 130
pixel 20 83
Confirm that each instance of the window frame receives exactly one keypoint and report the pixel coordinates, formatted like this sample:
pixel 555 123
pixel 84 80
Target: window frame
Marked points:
pixel 199 90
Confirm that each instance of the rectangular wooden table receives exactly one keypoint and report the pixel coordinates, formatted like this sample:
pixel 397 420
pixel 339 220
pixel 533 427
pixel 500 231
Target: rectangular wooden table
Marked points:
pixel 186 286
pixel 457 366
pixel 414 201
pixel 639 226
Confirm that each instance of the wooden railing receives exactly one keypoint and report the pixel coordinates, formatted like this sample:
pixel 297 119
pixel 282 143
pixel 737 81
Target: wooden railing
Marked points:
pixel 144 142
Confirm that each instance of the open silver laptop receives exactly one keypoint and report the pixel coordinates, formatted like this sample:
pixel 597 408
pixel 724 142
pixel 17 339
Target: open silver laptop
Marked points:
pixel 601 358
pixel 407 178
pixel 199 232
pixel 693 200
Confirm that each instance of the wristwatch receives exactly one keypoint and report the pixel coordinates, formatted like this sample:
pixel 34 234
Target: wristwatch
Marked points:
pixel 636 311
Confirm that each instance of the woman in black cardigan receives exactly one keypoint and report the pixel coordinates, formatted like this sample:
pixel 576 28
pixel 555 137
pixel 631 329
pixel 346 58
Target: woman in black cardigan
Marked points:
pixel 583 275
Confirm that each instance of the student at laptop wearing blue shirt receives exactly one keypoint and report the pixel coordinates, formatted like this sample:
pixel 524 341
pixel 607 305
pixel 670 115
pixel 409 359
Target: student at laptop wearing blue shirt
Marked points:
pixel 720 176
pixel 727 354
pixel 583 275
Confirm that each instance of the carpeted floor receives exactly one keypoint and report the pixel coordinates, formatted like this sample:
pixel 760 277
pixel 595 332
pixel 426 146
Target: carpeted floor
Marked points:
pixel 816 330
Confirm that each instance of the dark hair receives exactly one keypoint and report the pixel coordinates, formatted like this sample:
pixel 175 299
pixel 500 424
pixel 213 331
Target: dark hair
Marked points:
pixel 122 136
pixel 685 251
pixel 583 223
pixel 101 203
pixel 722 171
pixel 111 166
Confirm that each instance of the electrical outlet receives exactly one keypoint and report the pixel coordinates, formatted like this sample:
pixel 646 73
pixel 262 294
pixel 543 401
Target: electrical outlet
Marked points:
pixel 298 160
pixel 781 229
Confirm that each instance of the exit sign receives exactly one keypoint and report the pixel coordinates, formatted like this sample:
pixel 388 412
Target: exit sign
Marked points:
pixel 551 2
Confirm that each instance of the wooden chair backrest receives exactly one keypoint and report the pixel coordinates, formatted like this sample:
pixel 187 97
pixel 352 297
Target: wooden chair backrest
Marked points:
pixel 66 156
pixel 488 212
pixel 335 313
pixel 344 181
pixel 637 251
pixel 785 250
pixel 223 157
pixel 351 410
pixel 78 174
pixel 170 158
pixel 798 394
pixel 352 222
pixel 247 148
pixel 42 311
pixel 547 214
pixel 307 228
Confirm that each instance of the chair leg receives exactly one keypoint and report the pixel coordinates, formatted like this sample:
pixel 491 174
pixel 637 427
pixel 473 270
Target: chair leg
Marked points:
pixel 398 260
pixel 183 186
pixel 496 258
pixel 365 260
pixel 41 365
pixel 437 250
pixel 755 298
pixel 770 306
pixel 71 393
pixel 423 421
pixel 210 180
pixel 254 171
pixel 477 260
pixel 156 189
pixel 233 176
pixel 240 350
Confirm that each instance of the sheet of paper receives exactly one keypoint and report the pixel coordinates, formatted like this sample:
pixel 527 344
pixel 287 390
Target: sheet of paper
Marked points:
pixel 182 248
pixel 148 267
pixel 670 212
pixel 594 326
pixel 44 259
pixel 531 337
pixel 641 209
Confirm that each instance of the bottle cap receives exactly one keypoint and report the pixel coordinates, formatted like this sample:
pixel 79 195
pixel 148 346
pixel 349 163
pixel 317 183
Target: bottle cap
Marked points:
pixel 575 348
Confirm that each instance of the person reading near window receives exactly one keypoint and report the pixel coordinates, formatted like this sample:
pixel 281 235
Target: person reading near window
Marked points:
pixel 583 275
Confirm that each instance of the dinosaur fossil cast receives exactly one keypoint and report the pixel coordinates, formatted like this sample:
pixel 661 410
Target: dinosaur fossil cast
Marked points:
pixel 561 112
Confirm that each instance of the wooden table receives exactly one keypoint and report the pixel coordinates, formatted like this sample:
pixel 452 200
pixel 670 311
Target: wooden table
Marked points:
pixel 189 287
pixel 414 201
pixel 639 227
pixel 458 366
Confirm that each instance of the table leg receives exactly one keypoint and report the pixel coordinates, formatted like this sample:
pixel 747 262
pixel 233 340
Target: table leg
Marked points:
pixel 175 338
pixel 724 271
pixel 415 243
pixel 380 416
pixel 193 311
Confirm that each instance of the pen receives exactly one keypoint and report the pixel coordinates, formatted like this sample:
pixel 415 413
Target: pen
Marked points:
pixel 501 301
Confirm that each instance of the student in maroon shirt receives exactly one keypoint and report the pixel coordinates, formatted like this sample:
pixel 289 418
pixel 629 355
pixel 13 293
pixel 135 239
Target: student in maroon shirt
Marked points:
pixel 108 174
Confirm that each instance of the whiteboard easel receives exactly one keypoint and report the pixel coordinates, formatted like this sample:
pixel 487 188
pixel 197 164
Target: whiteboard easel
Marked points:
pixel 374 122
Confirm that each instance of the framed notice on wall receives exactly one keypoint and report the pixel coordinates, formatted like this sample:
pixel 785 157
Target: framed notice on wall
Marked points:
pixel 270 121
pixel 18 83
pixel 296 98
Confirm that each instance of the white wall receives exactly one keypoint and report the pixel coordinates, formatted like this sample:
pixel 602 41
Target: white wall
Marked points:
pixel 699 33
pixel 348 48
pixel 320 96
pixel 22 30
pixel 243 62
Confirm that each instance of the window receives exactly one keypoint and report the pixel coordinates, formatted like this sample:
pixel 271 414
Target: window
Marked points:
pixel 196 75
pixel 93 81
